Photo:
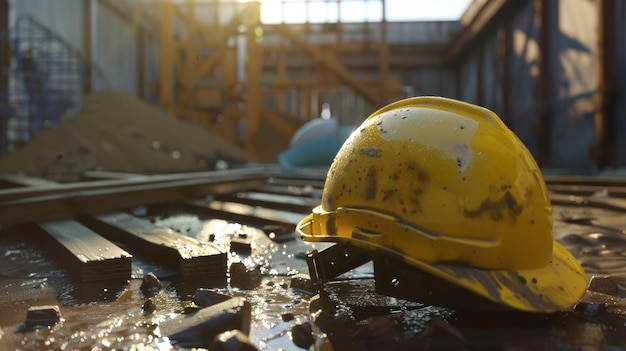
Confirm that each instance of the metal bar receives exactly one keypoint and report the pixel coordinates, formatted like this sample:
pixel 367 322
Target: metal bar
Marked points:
pixel 69 204
pixel 57 188
pixel 605 152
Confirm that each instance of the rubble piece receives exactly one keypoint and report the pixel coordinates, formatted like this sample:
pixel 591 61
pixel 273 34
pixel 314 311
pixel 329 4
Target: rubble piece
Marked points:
pixel 241 244
pixel 287 317
pixel 192 257
pixel 150 284
pixel 302 335
pixel 437 324
pixel 207 297
pixel 199 329
pixel 232 340
pixel 605 285
pixel 303 283
pixel 43 315
pixel 85 254
pixel 149 306
pixel 377 327
pixel 244 278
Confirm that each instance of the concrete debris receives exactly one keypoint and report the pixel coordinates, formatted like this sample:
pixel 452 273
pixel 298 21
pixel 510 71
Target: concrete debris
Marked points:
pixel 302 283
pixel 150 284
pixel 199 329
pixel 287 317
pixel 605 285
pixel 148 306
pixel 377 327
pixel 43 316
pixel 244 278
pixel 206 297
pixel 241 243
pixel 302 335
pixel 232 340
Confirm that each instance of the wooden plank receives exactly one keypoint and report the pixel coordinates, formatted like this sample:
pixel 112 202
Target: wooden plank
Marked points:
pixel 57 188
pixel 69 204
pixel 591 201
pixel 586 190
pixel 585 180
pixel 14 180
pixel 85 254
pixel 318 184
pixel 192 257
pixel 244 214
pixel 291 190
pixel 273 201
pixel 105 175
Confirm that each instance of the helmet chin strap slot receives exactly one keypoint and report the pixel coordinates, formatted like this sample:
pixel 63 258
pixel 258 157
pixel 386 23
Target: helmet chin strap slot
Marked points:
pixel 333 261
pixel 401 280
pixel 361 234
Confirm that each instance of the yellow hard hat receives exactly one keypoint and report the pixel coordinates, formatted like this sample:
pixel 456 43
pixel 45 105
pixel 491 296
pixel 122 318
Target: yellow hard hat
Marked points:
pixel 447 188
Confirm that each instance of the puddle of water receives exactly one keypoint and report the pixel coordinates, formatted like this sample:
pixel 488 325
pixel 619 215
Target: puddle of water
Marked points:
pixel 111 316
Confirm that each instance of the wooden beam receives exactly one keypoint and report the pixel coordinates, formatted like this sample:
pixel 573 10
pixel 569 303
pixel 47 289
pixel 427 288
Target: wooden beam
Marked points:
pixel 85 254
pixel 242 213
pixel 12 180
pixel 192 257
pixel 69 204
pixel 273 201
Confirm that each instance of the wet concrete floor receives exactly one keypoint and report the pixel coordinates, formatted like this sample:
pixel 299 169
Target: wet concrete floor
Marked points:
pixel 346 315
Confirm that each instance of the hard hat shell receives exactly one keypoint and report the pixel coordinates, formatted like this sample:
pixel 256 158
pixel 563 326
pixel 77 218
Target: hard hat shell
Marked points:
pixel 448 188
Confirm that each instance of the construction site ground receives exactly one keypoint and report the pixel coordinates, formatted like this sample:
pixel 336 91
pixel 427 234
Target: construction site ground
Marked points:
pixel 347 314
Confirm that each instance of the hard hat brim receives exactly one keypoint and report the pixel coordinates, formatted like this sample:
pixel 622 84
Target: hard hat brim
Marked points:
pixel 554 287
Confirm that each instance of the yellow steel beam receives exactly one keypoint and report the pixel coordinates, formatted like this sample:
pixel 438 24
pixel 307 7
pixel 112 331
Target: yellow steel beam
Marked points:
pixel 253 77
pixel 280 124
pixel 167 52
pixel 329 62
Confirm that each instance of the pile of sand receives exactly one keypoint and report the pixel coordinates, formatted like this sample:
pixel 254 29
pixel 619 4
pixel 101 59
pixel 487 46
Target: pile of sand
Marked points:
pixel 118 132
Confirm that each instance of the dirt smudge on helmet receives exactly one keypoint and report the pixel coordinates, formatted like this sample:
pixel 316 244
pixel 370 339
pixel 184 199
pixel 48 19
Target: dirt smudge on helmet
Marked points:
pixel 506 207
pixel 371 183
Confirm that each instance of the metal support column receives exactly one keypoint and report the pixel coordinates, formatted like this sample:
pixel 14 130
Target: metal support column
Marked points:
pixel 384 59
pixel 4 72
pixel 542 22
pixel 605 152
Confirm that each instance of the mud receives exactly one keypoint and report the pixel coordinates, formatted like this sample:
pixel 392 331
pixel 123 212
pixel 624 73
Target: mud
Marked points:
pixel 346 315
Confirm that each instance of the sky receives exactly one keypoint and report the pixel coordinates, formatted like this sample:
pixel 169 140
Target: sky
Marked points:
pixel 319 11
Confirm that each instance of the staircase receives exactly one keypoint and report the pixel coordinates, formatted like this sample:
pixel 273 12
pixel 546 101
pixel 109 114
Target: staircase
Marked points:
pixel 45 81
